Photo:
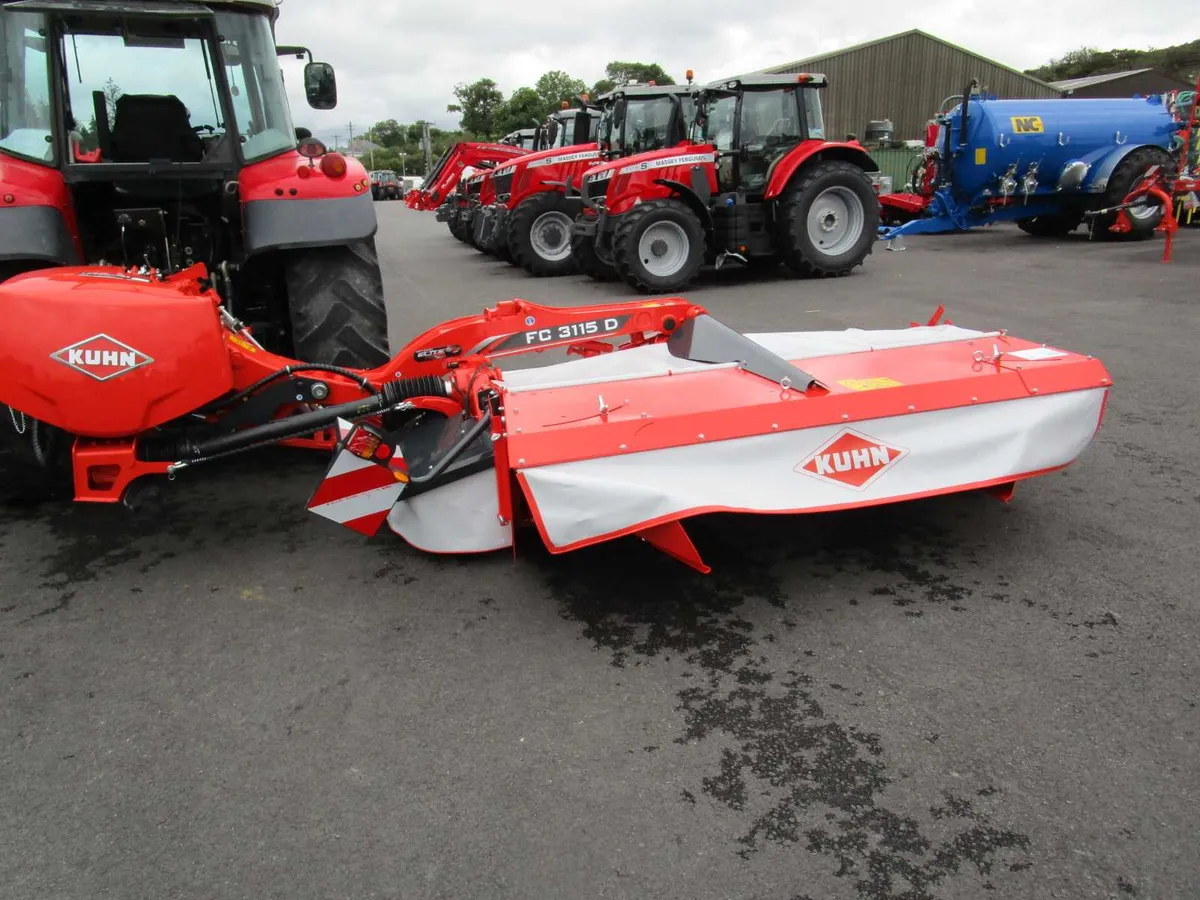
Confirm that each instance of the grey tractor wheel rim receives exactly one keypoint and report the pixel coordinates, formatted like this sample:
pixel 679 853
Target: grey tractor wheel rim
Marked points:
pixel 836 220
pixel 663 249
pixel 551 236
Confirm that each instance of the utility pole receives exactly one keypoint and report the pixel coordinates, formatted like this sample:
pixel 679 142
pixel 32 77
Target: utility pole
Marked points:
pixel 426 145
pixel 335 140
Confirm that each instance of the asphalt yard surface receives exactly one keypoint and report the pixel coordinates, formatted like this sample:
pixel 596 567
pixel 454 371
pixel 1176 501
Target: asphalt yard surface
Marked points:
pixel 953 698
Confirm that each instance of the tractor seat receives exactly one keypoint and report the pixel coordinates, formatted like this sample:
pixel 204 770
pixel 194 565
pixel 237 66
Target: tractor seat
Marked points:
pixel 151 127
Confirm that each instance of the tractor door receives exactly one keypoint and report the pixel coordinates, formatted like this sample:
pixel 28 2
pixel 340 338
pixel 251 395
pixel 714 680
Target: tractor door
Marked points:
pixel 770 124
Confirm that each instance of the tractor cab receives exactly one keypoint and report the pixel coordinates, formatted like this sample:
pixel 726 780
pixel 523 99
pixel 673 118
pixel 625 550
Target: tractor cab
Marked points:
pixel 151 108
pixel 525 138
pixel 637 118
pixel 568 127
pixel 754 122
pixel 155 134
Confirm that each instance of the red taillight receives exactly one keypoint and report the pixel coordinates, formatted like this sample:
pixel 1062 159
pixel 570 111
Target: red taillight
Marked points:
pixel 333 165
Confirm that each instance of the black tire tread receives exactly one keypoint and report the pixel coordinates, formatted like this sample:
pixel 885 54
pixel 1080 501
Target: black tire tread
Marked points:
pixel 622 246
pixel 520 246
pixel 336 305
pixel 791 211
pixel 583 248
pixel 1127 172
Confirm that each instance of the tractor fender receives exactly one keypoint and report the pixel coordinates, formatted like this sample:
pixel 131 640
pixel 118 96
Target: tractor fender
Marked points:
pixel 37 219
pixel 1104 166
pixel 288 224
pixel 281 210
pixel 36 233
pixel 696 195
pixel 784 169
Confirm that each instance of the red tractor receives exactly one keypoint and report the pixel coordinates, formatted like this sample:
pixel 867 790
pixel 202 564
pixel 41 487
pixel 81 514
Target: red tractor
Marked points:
pixel 443 178
pixel 759 183
pixel 530 222
pixel 191 158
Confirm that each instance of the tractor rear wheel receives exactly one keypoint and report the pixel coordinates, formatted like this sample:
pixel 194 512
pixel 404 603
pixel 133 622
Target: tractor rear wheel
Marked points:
pixel 539 235
pixel 829 219
pixel 583 248
pixel 658 246
pixel 1129 171
pixel 335 300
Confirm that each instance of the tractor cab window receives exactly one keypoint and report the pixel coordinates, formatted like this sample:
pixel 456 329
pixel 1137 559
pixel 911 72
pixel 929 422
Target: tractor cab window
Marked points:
pixel 647 123
pixel 770 127
pixel 25 94
pixel 814 120
pixel 264 120
pixel 142 91
pixel 138 93
pixel 714 125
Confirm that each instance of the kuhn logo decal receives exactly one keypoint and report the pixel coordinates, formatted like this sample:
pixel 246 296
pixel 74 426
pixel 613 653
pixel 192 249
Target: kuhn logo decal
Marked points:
pixel 101 357
pixel 851 459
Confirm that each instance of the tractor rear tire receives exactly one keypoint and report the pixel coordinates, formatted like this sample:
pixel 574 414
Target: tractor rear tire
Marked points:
pixel 335 300
pixel 1127 173
pixel 1051 226
pixel 829 219
pixel 583 248
pixel 659 246
pixel 35 460
pixel 539 235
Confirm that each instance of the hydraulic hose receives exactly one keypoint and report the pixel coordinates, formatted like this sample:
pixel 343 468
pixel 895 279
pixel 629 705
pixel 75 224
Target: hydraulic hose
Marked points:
pixel 392 394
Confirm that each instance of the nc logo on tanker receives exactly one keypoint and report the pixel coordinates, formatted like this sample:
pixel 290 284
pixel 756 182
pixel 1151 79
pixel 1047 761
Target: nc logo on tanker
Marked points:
pixel 1027 124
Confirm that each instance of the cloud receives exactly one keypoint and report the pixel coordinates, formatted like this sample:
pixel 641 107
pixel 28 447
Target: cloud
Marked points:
pixel 401 62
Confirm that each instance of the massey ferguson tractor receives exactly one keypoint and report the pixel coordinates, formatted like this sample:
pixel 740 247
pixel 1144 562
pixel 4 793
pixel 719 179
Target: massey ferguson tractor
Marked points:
pixel 529 223
pixel 187 155
pixel 758 183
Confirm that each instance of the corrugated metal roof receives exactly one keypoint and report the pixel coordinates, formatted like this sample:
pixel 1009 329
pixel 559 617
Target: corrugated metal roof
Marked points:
pixel 1072 83
pixel 822 57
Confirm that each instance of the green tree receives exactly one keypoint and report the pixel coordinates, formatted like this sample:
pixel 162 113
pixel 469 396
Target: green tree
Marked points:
pixel 388 133
pixel 616 73
pixel 477 104
pixel 525 108
pixel 556 86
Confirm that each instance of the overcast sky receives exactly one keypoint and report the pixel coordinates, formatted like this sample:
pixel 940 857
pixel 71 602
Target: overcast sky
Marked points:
pixel 401 61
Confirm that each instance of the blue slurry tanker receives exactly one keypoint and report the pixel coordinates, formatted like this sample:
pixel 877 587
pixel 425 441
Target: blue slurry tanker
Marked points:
pixel 1045 164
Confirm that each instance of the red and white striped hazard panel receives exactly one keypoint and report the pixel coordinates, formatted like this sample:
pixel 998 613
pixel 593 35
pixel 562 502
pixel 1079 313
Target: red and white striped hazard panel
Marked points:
pixel 363 482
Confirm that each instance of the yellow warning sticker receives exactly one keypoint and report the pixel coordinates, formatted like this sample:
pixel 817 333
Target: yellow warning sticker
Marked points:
pixel 870 384
pixel 1027 124
pixel 981 156
pixel 244 344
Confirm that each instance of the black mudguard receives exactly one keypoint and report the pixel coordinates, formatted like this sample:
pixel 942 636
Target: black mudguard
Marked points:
pixel 36 233
pixel 696 195
pixel 288 224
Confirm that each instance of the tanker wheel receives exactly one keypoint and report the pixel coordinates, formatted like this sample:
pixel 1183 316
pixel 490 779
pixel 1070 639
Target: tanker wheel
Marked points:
pixel 1144 219
pixel 335 300
pixel 583 248
pixel 539 235
pixel 1052 226
pixel 658 246
pixel 829 221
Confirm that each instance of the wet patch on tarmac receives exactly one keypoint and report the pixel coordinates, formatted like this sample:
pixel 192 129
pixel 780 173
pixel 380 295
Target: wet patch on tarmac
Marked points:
pixel 784 757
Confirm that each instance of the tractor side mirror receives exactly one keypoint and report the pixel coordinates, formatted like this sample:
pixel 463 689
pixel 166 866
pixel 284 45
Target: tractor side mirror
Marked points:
pixel 320 85
pixel 551 132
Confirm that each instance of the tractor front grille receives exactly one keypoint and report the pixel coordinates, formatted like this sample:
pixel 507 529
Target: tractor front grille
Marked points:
pixel 503 183
pixel 595 189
